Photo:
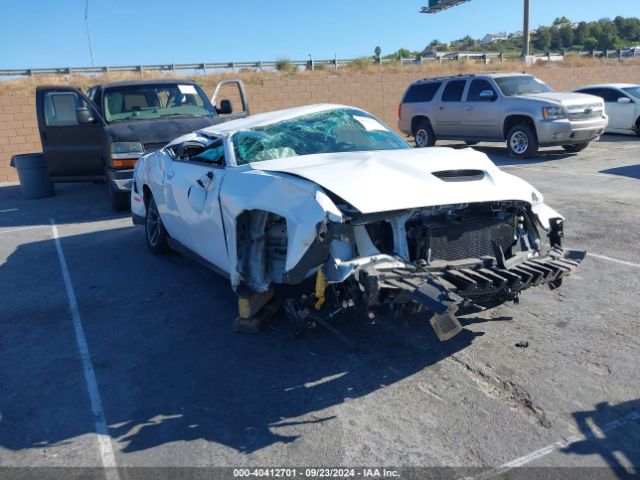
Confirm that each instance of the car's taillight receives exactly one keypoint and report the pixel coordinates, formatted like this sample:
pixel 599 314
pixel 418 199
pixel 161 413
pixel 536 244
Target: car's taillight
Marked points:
pixel 128 162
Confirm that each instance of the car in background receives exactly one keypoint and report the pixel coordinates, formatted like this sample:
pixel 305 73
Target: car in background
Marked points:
pixel 100 136
pixel 621 103
pixel 330 191
pixel 517 108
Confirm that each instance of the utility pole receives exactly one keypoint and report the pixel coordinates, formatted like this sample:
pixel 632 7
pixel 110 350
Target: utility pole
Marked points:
pixel 526 35
pixel 86 22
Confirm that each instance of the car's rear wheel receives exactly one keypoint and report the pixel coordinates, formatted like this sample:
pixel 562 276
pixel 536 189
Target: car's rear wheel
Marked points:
pixel 522 142
pixel 423 134
pixel 154 229
pixel 120 201
pixel 575 148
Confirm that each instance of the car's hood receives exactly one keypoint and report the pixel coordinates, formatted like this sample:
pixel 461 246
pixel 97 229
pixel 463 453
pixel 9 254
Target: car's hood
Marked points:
pixel 565 98
pixel 401 179
pixel 156 130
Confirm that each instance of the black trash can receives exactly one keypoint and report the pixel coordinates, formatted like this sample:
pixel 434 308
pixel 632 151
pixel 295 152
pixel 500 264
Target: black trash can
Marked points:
pixel 33 175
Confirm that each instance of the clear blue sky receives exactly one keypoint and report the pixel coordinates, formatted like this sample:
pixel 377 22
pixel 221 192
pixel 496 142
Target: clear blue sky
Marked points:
pixel 48 33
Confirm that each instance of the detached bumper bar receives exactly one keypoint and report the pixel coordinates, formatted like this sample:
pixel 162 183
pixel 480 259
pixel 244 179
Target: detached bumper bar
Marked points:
pixel 442 291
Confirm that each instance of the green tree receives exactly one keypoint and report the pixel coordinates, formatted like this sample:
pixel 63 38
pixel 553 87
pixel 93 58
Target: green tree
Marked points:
pixel 561 20
pixel 378 52
pixel 566 36
pixel 580 33
pixel 542 39
pixel 590 43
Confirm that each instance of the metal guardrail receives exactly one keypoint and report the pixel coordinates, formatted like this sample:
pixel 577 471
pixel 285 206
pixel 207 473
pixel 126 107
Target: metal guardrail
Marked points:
pixel 336 63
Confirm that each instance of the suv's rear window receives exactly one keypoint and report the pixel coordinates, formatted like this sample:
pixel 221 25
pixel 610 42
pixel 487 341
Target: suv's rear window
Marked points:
pixel 421 92
pixel 453 91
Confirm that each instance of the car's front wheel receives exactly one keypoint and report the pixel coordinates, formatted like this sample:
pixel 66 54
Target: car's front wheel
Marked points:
pixel 575 148
pixel 423 134
pixel 522 142
pixel 154 229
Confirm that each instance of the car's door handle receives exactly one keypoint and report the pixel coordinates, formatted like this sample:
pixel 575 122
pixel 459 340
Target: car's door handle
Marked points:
pixel 206 180
pixel 468 108
pixel 170 174
pixel 441 107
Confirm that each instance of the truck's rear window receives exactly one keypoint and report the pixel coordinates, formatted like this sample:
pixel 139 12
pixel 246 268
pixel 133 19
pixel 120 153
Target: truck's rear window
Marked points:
pixel 421 92
pixel 145 102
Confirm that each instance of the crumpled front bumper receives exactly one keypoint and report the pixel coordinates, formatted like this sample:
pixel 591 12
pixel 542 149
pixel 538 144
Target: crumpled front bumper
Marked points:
pixel 442 291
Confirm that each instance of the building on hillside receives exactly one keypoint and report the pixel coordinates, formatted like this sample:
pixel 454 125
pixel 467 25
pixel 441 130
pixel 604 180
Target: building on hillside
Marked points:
pixel 493 38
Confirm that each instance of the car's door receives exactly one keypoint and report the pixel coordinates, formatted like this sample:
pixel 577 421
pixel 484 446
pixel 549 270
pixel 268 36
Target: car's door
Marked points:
pixel 448 110
pixel 620 112
pixel 191 207
pixel 72 133
pixel 481 112
pixel 620 108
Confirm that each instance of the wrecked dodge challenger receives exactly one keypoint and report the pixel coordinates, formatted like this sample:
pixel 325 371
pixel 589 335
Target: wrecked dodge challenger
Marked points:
pixel 329 192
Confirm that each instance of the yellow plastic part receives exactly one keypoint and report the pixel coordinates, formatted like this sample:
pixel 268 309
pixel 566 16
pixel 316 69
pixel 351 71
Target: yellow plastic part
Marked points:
pixel 321 286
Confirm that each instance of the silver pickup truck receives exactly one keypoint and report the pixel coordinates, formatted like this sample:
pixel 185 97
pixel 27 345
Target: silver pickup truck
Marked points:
pixel 517 108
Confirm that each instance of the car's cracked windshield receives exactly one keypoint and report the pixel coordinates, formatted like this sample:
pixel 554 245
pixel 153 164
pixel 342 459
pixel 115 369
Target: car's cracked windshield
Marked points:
pixel 521 85
pixel 332 131
pixel 145 102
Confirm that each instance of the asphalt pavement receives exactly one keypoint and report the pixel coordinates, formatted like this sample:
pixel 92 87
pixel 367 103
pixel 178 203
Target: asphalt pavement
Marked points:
pixel 112 356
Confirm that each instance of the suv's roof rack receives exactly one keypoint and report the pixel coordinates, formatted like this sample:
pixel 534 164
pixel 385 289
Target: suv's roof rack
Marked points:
pixel 445 77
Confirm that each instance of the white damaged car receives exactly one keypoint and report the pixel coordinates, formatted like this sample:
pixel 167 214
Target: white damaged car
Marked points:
pixel 329 191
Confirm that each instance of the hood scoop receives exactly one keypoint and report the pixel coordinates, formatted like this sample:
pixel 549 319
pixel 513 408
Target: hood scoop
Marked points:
pixel 459 175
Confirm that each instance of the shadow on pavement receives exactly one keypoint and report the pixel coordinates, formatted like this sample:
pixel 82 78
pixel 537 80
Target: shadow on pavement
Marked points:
pixel 618 138
pixel 72 203
pixel 168 365
pixel 631 171
pixel 611 432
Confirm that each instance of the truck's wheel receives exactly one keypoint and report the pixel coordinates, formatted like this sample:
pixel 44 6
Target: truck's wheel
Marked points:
pixel 522 141
pixel 119 200
pixel 575 148
pixel 423 134
pixel 155 233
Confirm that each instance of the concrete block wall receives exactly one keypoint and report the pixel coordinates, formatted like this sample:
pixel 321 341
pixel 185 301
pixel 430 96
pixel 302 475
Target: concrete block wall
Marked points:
pixel 376 93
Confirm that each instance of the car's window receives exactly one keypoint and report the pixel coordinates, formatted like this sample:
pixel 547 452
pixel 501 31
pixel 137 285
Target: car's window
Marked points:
pixel 60 108
pixel 476 88
pixel 633 91
pixel 144 102
pixel 521 85
pixel 421 92
pixel 331 131
pixel 453 91
pixel 213 154
pixel 609 95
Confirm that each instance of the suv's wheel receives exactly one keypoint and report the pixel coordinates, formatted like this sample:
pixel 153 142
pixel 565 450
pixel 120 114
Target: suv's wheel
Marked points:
pixel 423 134
pixel 119 200
pixel 522 141
pixel 155 233
pixel 575 148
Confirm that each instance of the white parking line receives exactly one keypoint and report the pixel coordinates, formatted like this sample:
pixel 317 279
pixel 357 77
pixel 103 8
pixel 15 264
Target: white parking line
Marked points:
pixel 19 229
pixel 615 260
pixel 104 440
pixel 519 462
pixel 7 210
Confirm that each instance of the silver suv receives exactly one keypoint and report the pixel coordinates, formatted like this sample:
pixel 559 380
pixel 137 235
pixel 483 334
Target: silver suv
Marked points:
pixel 518 108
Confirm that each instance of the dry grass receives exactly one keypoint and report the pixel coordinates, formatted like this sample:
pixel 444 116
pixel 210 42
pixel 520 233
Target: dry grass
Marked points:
pixel 26 86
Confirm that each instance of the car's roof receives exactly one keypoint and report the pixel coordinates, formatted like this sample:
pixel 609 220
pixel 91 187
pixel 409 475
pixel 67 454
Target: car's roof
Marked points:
pixel 463 76
pixel 154 81
pixel 609 85
pixel 269 118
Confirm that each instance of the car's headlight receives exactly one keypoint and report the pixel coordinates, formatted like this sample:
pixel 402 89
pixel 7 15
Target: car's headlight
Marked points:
pixel 125 154
pixel 127 147
pixel 554 113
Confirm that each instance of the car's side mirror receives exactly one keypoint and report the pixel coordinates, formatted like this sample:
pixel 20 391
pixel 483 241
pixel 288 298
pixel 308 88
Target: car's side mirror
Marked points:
pixel 624 100
pixel 84 116
pixel 225 107
pixel 488 95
